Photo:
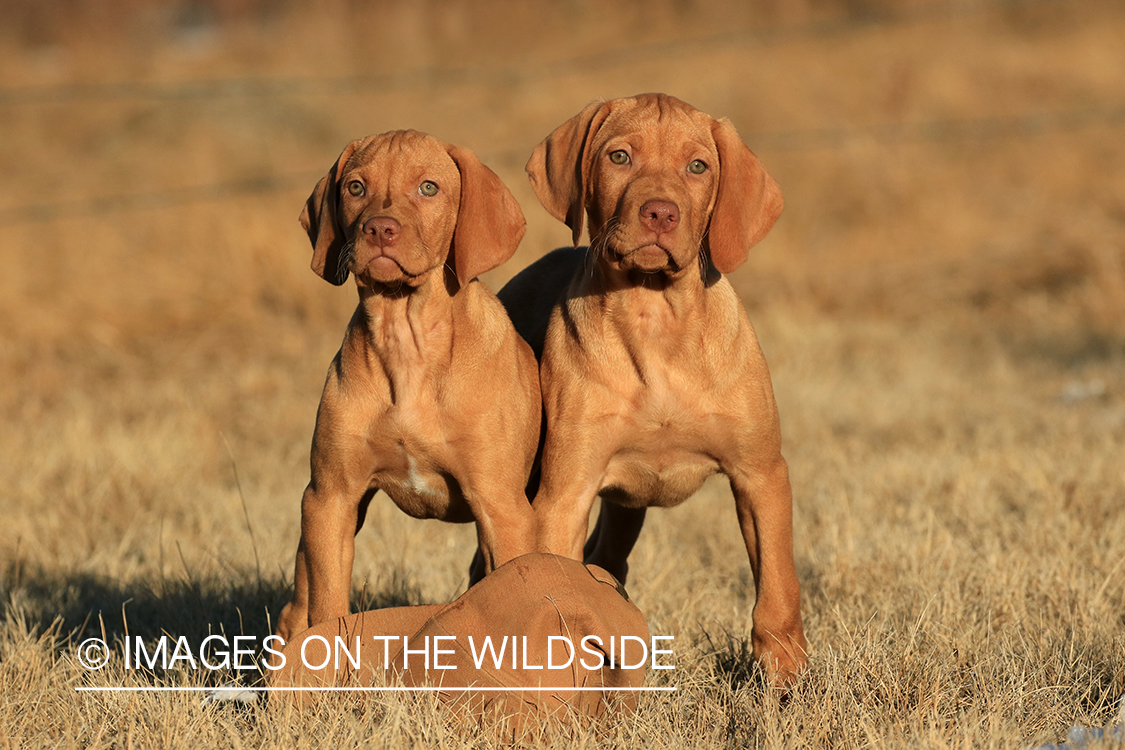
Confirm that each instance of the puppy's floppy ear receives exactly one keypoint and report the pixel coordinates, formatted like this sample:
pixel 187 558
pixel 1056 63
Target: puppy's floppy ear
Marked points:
pixel 490 223
pixel 321 220
pixel 559 167
pixel 747 204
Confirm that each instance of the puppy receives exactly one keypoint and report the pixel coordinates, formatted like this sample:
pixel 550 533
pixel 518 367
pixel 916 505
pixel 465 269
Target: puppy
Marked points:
pixel 432 398
pixel 651 373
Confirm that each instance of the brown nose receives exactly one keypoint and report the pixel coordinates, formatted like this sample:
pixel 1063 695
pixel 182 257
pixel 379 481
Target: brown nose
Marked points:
pixel 660 216
pixel 383 230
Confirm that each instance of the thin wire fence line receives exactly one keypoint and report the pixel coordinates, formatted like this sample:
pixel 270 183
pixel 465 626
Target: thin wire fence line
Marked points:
pixel 386 689
pixel 985 128
pixel 157 199
pixel 442 78
pixel 981 128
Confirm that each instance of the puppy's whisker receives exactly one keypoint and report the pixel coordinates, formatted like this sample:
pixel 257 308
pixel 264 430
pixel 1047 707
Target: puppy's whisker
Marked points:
pixel 599 244
pixel 347 254
pixel 702 256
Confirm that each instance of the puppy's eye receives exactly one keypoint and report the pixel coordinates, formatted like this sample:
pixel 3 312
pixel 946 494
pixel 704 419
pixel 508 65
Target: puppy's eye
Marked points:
pixel 619 157
pixel 355 187
pixel 697 167
pixel 428 188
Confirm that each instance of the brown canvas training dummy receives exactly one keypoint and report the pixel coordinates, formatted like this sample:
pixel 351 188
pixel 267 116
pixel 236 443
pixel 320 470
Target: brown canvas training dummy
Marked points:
pixel 540 621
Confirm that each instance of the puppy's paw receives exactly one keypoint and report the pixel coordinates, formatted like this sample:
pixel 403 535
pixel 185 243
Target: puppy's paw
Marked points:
pixel 783 658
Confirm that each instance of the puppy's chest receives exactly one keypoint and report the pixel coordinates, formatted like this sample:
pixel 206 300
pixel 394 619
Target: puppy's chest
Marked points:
pixel 667 442
pixel 413 456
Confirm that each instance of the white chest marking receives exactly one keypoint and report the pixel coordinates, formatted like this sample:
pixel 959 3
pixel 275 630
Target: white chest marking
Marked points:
pixel 415 482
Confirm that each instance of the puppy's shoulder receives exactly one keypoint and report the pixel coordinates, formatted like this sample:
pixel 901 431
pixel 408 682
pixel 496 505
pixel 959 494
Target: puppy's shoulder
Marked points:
pixel 480 315
pixel 726 315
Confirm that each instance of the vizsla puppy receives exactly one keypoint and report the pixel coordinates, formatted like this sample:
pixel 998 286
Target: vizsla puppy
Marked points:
pixel 651 373
pixel 433 398
pixel 571 625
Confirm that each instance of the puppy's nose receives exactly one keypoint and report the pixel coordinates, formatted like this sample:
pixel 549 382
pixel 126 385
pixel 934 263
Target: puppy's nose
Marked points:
pixel 383 230
pixel 660 216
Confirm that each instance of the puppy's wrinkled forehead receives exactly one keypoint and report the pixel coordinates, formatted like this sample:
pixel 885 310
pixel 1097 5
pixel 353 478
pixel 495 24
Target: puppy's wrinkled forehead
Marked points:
pixel 407 154
pixel 658 121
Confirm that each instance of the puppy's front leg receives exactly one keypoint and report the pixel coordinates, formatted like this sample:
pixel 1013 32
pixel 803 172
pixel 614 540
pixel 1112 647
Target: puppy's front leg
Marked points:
pixel 504 519
pixel 765 514
pixel 322 572
pixel 573 468
pixel 329 523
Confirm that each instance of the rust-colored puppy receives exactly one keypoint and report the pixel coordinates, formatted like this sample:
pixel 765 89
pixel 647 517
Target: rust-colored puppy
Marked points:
pixel 433 398
pixel 651 373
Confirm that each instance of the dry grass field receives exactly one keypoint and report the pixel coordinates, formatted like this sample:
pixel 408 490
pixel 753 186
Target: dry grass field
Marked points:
pixel 942 306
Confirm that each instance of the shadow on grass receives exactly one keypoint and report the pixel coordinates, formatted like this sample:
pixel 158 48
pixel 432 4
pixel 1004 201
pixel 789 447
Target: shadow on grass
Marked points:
pixel 83 605
pixel 734 661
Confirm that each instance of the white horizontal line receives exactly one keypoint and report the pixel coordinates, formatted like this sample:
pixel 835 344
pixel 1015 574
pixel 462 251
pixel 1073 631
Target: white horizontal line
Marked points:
pixel 391 689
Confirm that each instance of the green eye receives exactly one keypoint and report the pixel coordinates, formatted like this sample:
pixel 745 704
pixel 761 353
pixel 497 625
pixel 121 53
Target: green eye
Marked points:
pixel 619 157
pixel 697 167
pixel 355 187
pixel 428 188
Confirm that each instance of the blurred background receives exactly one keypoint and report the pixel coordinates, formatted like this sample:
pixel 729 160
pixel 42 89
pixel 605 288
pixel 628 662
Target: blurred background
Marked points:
pixel 933 153
pixel 952 169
